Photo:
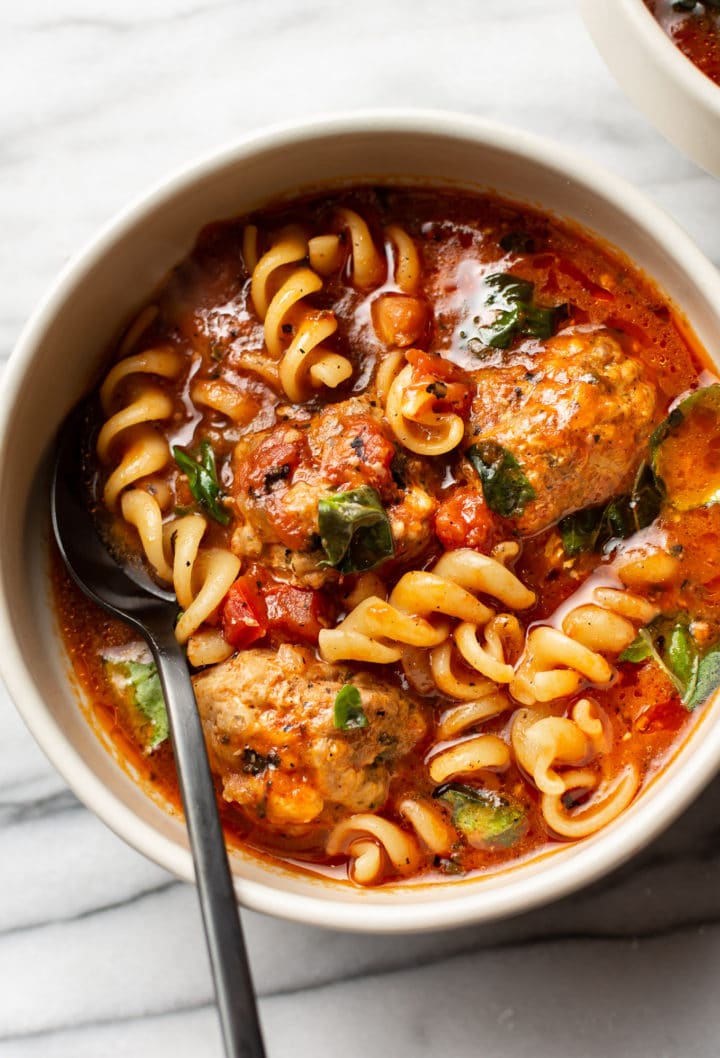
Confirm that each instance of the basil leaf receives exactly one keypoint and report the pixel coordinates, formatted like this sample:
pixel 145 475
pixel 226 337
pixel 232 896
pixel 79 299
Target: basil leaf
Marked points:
pixel 506 489
pixel 149 697
pixel 136 687
pixel 348 713
pixel 669 642
pixel 681 656
pixel 505 288
pixel 579 531
pixel 592 528
pixel 486 818
pixel 355 530
pixel 201 473
pixel 707 679
pixel 518 315
pixel 640 649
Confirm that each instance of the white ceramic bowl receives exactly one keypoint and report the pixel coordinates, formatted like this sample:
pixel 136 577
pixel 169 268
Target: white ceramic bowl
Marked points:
pixel 673 94
pixel 61 347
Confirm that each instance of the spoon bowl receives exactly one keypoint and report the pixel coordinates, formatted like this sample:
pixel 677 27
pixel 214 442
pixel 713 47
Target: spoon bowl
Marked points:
pixel 128 592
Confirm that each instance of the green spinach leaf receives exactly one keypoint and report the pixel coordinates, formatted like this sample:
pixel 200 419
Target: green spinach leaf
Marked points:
pixel 592 528
pixel 348 713
pixel 136 687
pixel 707 679
pixel 201 473
pixel 518 315
pixel 355 530
pixel 668 641
pixel 506 489
pixel 486 818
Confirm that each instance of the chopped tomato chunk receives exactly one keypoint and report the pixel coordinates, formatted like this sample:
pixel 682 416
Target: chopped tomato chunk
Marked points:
pixel 466 521
pixel 244 616
pixel 273 461
pixel 257 604
pixel 298 613
pixel 445 385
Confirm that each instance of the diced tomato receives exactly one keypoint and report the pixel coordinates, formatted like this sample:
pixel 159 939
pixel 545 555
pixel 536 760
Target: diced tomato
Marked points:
pixel 273 460
pixel 447 386
pixel 466 521
pixel 244 615
pixel 437 366
pixel 297 613
pixel 258 604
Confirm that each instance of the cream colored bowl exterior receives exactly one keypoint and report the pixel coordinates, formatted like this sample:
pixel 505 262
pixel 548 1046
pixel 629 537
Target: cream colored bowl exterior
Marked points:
pixel 673 94
pixel 60 350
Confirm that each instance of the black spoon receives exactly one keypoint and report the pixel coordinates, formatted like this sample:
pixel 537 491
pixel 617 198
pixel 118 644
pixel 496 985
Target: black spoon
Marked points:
pixel 130 594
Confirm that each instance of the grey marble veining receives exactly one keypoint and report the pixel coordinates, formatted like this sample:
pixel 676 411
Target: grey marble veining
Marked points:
pixel 101 952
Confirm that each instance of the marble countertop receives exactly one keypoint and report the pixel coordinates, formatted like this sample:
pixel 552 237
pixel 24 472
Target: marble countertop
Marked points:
pixel 101 952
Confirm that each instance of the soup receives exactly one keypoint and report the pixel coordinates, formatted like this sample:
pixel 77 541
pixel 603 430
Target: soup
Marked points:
pixel 434 478
pixel 694 28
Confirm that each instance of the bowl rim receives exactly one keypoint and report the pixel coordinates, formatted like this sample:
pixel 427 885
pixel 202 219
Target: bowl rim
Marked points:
pixel 661 65
pixel 464 902
pixel 698 84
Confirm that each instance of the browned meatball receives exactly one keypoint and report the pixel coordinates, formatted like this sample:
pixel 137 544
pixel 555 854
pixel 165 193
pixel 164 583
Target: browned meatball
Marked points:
pixel 577 422
pixel 269 724
pixel 280 475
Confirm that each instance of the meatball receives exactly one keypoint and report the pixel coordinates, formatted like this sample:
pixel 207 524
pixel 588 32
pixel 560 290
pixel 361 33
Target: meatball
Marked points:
pixel 280 475
pixel 269 725
pixel 577 421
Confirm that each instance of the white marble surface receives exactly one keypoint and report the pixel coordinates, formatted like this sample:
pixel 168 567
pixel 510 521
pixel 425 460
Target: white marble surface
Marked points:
pixel 101 953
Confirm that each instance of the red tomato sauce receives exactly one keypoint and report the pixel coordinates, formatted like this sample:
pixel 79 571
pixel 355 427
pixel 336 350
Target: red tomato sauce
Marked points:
pixel 695 30
pixel 278 451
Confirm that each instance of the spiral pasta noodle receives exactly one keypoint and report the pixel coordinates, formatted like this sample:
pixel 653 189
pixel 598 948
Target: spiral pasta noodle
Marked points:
pixel 200 577
pixel 479 753
pixel 419 614
pixel 367 264
pixel 408 269
pixel 611 797
pixel 414 421
pixel 372 842
pixel 131 429
pixel 231 402
pixel 557 663
pixel 429 824
pixel 280 284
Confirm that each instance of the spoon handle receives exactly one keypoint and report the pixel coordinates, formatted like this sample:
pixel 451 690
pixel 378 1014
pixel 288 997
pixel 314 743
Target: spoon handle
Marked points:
pixel 228 958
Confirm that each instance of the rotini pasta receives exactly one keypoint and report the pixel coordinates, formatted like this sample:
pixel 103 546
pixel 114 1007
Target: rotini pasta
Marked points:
pixel 415 423
pixel 557 663
pixel 369 840
pixel 367 263
pixel 433 545
pixel 408 269
pixel 276 290
pixel 130 430
pixel 415 613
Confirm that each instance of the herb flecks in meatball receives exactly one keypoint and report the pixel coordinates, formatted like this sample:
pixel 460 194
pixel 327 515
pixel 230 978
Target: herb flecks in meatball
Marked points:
pixel 577 423
pixel 280 476
pixel 269 721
